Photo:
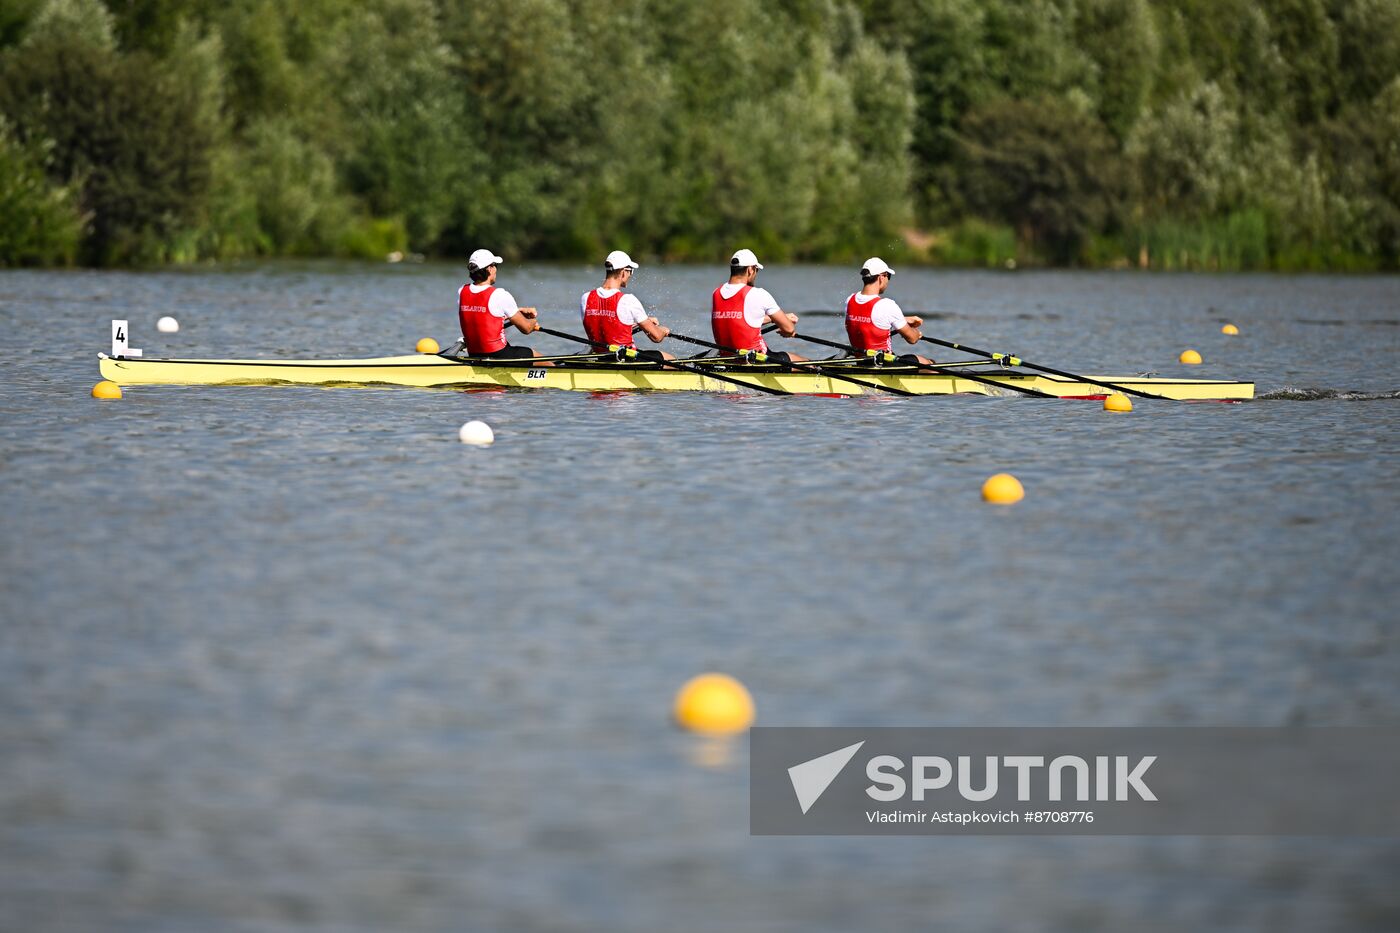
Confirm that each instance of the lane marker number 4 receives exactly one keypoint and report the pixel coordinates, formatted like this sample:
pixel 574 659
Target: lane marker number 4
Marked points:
pixel 120 334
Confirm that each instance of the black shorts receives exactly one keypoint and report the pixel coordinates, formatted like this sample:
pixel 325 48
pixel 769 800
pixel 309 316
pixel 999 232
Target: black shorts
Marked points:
pixel 781 357
pixel 509 353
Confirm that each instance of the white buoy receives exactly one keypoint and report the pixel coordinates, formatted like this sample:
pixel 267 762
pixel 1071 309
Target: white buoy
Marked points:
pixel 477 433
pixel 168 325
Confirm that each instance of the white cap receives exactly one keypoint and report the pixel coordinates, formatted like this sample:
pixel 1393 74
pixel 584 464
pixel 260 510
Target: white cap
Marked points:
pixel 745 258
pixel 483 258
pixel 617 259
pixel 875 266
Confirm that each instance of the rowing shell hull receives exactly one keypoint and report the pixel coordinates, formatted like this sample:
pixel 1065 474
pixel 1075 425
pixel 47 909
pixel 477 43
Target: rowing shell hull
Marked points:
pixel 427 371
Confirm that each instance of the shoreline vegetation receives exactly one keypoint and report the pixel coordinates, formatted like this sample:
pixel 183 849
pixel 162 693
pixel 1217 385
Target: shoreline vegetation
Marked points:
pixel 1204 135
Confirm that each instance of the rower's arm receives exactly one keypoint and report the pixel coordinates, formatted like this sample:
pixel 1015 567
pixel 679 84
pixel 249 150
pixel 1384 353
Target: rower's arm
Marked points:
pixel 910 331
pixel 526 320
pixel 654 329
pixel 787 323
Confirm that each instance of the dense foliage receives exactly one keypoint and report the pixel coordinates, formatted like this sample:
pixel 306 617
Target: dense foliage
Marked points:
pixel 1170 133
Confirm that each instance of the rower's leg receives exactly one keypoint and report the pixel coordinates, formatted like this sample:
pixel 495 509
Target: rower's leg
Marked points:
pixel 536 362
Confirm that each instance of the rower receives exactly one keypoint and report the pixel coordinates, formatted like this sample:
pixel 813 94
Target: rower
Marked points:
pixel 484 310
pixel 738 311
pixel 609 315
pixel 871 317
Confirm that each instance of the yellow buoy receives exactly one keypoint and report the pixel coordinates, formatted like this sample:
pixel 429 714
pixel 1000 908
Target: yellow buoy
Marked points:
pixel 714 703
pixel 1190 357
pixel 1003 489
pixel 105 389
pixel 1117 402
pixel 427 345
pixel 1230 329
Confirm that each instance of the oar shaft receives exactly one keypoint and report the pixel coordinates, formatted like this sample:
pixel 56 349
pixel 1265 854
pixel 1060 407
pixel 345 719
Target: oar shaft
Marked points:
pixel 934 367
pixel 1044 369
pixel 714 346
pixel 677 364
pixel 807 367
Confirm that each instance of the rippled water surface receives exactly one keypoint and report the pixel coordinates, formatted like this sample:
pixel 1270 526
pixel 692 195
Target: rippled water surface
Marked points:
pixel 295 658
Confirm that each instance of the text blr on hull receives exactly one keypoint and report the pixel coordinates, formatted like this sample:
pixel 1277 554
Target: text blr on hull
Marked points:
pixel 831 377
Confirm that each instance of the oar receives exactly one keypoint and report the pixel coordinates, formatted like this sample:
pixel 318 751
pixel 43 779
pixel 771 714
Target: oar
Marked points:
pixel 806 367
pixel 1045 369
pixel 676 364
pixel 1026 390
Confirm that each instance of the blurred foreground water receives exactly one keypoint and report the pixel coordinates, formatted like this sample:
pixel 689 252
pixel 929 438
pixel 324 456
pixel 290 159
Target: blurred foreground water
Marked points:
pixel 281 658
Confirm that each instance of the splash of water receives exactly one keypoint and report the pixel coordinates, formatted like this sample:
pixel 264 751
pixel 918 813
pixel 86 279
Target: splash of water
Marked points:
pixel 1293 394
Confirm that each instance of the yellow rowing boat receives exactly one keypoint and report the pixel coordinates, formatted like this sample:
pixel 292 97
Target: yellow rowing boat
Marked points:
pixel 437 372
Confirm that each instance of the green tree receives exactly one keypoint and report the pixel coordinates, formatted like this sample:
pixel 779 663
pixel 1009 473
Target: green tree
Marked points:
pixel 1261 130
pixel 1368 53
pixel 122 129
pixel 408 141
pixel 155 26
pixel 519 64
pixel 293 184
pixel 1189 155
pixel 39 224
pixel 949 62
pixel 14 19
pixel 78 21
pixel 1045 166
pixel 1307 42
pixel 1120 37
pixel 1363 146
pixel 263 81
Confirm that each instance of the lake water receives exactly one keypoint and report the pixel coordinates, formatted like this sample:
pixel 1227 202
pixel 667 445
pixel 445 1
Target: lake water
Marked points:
pixel 295 658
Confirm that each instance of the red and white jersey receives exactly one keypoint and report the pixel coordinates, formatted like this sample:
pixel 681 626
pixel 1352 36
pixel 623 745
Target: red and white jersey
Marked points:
pixel 609 315
pixel 737 313
pixel 870 320
pixel 483 310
